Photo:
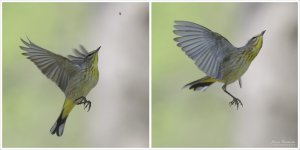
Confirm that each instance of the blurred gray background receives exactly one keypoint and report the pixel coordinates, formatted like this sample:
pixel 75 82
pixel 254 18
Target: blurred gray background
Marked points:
pixel 184 118
pixel 270 119
pixel 119 116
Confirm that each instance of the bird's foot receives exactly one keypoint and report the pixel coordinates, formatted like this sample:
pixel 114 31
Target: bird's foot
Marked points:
pixel 86 103
pixel 236 102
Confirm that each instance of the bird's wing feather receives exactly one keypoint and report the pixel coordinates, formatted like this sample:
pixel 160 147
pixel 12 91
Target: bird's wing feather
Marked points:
pixel 202 45
pixel 79 56
pixel 57 68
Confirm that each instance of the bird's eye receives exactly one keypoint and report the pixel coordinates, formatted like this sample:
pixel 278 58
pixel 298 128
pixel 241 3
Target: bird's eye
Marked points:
pixel 254 38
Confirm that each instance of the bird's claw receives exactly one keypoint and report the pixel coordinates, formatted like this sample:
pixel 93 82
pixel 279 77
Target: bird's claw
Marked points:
pixel 86 103
pixel 236 102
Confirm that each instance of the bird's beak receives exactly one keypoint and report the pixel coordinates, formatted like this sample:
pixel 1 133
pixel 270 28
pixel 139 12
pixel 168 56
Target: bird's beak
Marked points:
pixel 97 49
pixel 262 33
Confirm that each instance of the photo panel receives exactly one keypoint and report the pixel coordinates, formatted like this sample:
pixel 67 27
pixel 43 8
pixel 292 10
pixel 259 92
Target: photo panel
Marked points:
pixel 224 74
pixel 105 108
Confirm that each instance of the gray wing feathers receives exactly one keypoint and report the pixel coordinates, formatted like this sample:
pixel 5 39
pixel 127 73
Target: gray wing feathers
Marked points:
pixel 203 46
pixel 57 68
pixel 79 55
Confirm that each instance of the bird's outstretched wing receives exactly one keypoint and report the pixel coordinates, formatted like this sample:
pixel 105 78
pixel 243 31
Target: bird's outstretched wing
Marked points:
pixel 205 47
pixel 57 68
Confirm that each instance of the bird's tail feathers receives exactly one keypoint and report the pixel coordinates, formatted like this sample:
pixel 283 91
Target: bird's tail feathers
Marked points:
pixel 201 84
pixel 59 125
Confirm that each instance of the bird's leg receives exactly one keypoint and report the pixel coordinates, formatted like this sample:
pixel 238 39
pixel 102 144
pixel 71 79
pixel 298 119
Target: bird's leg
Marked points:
pixel 84 101
pixel 235 100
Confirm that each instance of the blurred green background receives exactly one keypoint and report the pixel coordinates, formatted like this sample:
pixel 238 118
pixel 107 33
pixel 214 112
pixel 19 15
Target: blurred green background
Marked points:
pixel 32 103
pixel 184 118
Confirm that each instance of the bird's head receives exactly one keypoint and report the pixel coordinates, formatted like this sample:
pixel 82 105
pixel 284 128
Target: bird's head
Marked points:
pixel 256 42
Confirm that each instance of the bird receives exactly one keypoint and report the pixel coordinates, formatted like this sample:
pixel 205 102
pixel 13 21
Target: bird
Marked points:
pixel 75 75
pixel 215 56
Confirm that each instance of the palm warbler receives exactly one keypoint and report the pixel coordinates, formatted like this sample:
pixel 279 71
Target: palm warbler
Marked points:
pixel 216 56
pixel 75 76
